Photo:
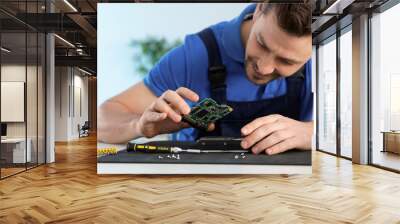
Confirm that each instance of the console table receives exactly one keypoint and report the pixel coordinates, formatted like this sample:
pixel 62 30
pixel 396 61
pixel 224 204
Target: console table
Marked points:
pixel 13 150
pixel 391 141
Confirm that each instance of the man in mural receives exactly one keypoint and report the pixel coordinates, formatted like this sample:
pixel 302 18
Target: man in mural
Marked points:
pixel 258 63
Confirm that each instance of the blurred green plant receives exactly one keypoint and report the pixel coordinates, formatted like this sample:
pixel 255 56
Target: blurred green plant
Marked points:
pixel 150 50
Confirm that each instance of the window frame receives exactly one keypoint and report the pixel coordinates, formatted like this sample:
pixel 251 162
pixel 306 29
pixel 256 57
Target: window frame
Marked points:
pixel 378 10
pixel 334 37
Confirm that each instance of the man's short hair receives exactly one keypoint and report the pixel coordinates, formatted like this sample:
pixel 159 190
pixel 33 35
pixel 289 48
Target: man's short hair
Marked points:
pixel 294 18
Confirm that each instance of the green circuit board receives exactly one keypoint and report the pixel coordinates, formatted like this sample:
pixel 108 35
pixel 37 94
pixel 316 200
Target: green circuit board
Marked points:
pixel 205 112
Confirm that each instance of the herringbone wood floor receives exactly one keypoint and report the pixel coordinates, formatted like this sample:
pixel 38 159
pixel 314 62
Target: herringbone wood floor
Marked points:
pixel 70 191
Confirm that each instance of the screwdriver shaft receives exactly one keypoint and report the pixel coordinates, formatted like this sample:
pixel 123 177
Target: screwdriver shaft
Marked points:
pixel 165 149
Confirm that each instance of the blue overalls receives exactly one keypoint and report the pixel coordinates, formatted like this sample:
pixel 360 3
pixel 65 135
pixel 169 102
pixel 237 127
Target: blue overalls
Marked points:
pixel 287 105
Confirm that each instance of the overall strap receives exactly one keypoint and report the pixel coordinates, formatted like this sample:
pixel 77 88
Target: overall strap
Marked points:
pixel 295 83
pixel 216 70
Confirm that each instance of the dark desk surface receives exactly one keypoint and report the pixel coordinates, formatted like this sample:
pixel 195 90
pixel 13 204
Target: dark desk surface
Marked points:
pixel 391 132
pixel 292 157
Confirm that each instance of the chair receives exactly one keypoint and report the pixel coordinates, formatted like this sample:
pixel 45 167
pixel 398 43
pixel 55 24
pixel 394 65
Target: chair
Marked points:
pixel 84 130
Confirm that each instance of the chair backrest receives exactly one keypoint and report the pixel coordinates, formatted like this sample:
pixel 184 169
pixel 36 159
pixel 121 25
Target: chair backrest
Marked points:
pixel 86 125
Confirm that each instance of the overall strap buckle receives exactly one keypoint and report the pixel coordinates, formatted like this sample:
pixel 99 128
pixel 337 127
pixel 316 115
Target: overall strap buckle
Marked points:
pixel 217 76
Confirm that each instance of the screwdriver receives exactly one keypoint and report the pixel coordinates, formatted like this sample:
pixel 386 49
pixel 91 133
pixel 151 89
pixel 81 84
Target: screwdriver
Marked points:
pixel 133 147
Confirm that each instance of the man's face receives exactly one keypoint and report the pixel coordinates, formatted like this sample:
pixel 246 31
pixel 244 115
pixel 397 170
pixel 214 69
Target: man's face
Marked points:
pixel 271 52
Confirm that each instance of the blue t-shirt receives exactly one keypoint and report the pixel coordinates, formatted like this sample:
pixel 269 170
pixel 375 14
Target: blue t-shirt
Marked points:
pixel 187 66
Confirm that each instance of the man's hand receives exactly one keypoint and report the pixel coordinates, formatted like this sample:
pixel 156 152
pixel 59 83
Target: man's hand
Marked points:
pixel 275 134
pixel 164 115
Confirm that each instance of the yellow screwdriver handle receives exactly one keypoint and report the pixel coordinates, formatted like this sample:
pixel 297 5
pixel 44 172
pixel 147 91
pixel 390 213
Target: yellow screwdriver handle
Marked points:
pixel 133 147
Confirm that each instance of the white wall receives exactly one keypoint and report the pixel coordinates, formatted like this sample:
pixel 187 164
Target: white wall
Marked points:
pixel 79 117
pixel 71 93
pixel 33 126
pixel 61 103
pixel 16 73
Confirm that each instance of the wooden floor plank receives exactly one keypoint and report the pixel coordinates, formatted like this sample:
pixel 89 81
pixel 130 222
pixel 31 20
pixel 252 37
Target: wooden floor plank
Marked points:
pixel 70 191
